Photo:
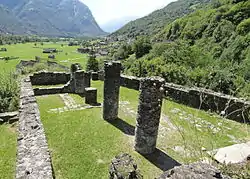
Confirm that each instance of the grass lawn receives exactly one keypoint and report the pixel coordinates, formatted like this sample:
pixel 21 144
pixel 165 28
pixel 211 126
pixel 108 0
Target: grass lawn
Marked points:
pixel 7 151
pixel 83 144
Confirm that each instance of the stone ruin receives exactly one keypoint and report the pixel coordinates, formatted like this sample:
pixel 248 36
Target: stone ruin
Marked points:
pixel 225 105
pixel 36 163
pixel 148 115
pixel 123 166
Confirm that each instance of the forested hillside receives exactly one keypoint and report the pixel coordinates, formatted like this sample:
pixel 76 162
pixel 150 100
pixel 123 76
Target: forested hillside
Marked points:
pixel 208 48
pixel 155 21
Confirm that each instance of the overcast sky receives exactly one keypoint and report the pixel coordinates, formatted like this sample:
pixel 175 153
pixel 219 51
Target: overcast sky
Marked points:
pixel 107 10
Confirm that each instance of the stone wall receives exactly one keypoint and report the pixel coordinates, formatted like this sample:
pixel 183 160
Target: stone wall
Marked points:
pixel 225 105
pixel 130 82
pixel 49 78
pixel 33 157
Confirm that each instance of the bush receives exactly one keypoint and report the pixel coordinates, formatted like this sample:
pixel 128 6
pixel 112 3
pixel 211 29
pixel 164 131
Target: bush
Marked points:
pixel 92 64
pixel 9 92
pixel 244 27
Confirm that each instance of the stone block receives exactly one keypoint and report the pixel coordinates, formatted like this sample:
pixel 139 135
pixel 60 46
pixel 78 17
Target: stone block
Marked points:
pixel 91 96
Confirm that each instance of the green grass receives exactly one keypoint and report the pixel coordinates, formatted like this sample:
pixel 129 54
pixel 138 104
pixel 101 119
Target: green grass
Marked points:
pixel 7 151
pixel 83 144
pixel 28 52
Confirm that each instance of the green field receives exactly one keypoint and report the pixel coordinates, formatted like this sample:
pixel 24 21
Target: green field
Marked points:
pixel 83 144
pixel 28 51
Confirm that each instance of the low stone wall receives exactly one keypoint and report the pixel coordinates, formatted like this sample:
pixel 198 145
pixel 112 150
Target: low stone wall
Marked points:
pixel 130 82
pixel 225 105
pixel 9 117
pixel 33 158
pixel 49 78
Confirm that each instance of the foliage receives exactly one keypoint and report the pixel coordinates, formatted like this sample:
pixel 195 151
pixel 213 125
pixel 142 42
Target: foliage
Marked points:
pixel 141 47
pixel 9 92
pixel 123 52
pixel 154 22
pixel 244 27
pixel 208 48
pixel 92 64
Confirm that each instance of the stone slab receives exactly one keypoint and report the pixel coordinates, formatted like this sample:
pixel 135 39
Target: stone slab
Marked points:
pixel 237 153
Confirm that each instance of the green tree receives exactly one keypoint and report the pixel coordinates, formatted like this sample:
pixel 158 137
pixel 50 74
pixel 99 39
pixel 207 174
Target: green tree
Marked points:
pixel 92 64
pixel 141 47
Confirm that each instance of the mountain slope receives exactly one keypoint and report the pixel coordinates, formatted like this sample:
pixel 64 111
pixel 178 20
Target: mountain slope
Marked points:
pixel 155 21
pixel 9 23
pixel 208 48
pixel 54 17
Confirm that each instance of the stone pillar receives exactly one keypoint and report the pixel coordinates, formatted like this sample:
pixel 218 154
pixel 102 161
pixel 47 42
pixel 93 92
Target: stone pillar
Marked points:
pixel 124 167
pixel 111 90
pixel 87 79
pixel 73 69
pixel 95 76
pixel 91 96
pixel 149 113
pixel 79 82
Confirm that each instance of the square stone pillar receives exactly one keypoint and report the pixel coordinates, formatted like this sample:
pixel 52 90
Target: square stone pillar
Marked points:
pixel 91 96
pixel 80 82
pixel 87 79
pixel 149 113
pixel 111 90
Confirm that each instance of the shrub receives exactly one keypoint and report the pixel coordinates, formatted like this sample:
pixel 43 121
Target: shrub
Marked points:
pixel 244 27
pixel 9 92
pixel 92 64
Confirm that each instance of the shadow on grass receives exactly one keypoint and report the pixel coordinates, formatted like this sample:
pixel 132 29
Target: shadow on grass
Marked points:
pixel 123 126
pixel 161 160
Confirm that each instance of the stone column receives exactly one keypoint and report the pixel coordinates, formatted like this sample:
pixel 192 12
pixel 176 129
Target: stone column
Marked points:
pixel 91 96
pixel 87 79
pixel 95 76
pixel 111 90
pixel 79 82
pixel 72 84
pixel 149 113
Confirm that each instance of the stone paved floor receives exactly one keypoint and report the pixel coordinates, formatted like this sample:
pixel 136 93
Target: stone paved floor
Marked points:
pixel 71 105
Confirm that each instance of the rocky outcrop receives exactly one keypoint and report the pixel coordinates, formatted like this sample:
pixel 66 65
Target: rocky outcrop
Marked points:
pixel 33 158
pixel 194 171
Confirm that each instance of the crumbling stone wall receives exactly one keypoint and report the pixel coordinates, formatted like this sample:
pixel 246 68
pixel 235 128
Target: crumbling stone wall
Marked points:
pixel 228 106
pixel 124 167
pixel 130 82
pixel 111 90
pixel 49 78
pixel 149 113
pixel 33 158
pixel 194 171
